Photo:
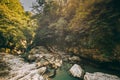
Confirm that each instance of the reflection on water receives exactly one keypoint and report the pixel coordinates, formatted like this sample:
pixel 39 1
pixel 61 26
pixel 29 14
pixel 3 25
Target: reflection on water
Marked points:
pixel 63 72
pixel 63 75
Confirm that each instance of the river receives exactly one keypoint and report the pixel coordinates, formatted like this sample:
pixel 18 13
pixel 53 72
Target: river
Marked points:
pixel 63 72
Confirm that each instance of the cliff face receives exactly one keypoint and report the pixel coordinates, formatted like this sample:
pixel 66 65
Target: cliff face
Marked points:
pixel 88 28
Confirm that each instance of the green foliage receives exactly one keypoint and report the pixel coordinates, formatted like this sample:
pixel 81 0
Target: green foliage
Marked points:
pixel 16 28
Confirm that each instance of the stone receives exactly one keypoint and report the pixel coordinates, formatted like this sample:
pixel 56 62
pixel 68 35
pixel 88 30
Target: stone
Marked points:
pixel 100 76
pixel 42 70
pixel 43 57
pixel 31 58
pixel 58 63
pixel 54 60
pixel 39 50
pixel 21 70
pixel 37 77
pixel 74 58
pixel 77 71
pixel 52 73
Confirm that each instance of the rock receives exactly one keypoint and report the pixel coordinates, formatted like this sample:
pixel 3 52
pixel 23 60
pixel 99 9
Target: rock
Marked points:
pixel 31 58
pixel 45 58
pixel 66 58
pixel 77 71
pixel 21 70
pixel 4 72
pixel 42 63
pixel 57 63
pixel 42 70
pixel 46 63
pixel 50 59
pixel 52 73
pixel 39 50
pixel 100 76
pixel 74 58
pixel 4 68
pixel 55 60
pixel 37 77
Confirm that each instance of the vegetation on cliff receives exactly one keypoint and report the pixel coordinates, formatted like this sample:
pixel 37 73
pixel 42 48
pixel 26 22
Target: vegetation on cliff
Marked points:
pixel 16 27
pixel 84 27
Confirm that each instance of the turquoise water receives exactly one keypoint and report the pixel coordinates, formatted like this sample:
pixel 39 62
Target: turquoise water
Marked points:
pixel 63 75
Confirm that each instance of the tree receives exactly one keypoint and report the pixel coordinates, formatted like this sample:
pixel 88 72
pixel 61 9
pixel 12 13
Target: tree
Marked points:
pixel 13 25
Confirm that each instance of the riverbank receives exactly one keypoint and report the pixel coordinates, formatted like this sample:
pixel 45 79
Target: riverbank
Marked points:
pixel 45 65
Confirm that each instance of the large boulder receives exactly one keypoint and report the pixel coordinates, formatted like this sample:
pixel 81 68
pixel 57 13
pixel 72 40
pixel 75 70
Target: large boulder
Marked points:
pixel 100 76
pixel 77 71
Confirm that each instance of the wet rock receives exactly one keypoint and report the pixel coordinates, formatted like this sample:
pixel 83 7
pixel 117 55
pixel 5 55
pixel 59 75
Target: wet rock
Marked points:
pixel 100 76
pixel 52 73
pixel 74 58
pixel 65 58
pixel 56 63
pixel 77 71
